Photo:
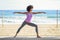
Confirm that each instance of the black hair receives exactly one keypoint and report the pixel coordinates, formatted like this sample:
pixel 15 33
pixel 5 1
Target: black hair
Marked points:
pixel 29 7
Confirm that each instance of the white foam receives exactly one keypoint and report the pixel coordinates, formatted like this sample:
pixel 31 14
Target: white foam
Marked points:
pixel 18 20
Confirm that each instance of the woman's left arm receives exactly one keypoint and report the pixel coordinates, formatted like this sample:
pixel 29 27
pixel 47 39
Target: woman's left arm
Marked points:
pixel 39 12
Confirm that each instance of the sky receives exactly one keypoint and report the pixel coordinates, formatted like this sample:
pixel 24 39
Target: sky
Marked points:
pixel 22 4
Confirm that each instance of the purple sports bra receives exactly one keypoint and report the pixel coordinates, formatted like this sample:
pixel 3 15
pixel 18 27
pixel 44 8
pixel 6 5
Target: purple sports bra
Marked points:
pixel 29 17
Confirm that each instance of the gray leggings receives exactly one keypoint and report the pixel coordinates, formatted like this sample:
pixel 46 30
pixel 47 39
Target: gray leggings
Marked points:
pixel 31 24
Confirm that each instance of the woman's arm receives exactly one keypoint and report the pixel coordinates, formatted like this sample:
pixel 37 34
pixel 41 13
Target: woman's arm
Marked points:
pixel 19 12
pixel 39 12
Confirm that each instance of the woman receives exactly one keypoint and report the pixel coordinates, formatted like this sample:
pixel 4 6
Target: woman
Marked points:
pixel 27 21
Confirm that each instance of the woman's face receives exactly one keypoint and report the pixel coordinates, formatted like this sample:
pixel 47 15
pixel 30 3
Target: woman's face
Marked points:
pixel 31 9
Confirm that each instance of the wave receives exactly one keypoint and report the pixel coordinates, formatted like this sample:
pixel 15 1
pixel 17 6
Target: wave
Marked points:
pixel 18 20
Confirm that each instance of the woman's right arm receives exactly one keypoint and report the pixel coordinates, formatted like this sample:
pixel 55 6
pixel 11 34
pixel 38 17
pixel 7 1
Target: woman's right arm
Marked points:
pixel 19 12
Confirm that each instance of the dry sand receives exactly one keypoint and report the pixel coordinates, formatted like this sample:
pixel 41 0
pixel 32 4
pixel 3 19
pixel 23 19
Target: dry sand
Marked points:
pixel 44 30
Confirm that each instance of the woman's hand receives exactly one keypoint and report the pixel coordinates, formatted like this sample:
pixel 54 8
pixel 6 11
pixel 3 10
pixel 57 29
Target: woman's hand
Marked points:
pixel 16 12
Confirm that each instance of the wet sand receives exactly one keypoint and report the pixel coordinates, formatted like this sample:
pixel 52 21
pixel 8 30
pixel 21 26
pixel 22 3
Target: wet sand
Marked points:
pixel 18 38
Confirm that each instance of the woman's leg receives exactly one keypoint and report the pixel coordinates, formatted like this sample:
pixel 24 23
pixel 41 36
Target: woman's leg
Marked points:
pixel 36 28
pixel 19 29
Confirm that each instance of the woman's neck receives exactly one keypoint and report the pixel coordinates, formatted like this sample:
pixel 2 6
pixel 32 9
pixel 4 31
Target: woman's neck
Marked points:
pixel 29 12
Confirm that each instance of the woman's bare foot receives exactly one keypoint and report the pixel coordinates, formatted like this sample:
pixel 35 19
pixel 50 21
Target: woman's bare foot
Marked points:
pixel 38 37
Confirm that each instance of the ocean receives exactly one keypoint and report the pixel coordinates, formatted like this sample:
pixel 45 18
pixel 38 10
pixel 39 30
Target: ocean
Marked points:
pixel 8 17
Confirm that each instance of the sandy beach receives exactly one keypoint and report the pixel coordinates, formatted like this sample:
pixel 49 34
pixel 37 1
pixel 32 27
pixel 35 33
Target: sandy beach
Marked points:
pixel 44 30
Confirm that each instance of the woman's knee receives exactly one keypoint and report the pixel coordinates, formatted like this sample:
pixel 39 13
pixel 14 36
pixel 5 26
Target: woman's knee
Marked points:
pixel 36 26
